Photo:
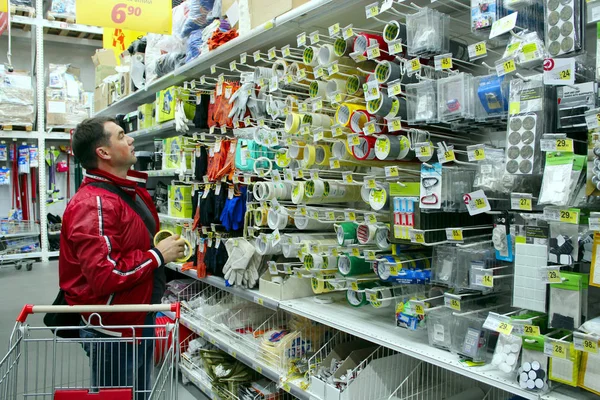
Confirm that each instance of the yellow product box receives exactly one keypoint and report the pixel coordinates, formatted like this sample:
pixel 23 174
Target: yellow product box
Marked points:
pixel 146 115
pixel 172 153
pixel 166 102
pixel 180 201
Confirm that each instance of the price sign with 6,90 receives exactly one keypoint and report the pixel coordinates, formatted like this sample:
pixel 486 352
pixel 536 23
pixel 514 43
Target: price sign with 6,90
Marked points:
pixel 149 16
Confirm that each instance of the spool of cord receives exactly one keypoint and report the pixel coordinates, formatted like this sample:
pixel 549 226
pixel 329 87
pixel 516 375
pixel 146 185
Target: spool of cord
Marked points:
pixel 351 266
pixel 365 150
pixel 188 252
pixel 346 233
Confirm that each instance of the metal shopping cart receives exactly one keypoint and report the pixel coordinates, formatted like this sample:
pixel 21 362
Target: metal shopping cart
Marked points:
pixel 19 243
pixel 42 364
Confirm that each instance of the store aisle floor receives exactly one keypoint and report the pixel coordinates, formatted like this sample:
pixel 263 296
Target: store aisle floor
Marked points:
pixel 40 286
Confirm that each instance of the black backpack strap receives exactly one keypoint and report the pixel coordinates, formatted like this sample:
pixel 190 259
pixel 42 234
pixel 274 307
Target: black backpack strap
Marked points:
pixel 143 212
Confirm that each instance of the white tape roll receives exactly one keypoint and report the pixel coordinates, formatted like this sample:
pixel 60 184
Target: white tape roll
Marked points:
pixel 277 220
pixel 318 89
pixel 336 85
pixel 279 68
pixel 382 238
pixel 304 223
pixel 264 247
pixel 383 297
pixel 327 55
pixel 340 151
pixel 296 151
pixel 378 199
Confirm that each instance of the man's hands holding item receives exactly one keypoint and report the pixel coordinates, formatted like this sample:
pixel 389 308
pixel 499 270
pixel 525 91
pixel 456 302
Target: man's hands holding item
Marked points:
pixel 171 248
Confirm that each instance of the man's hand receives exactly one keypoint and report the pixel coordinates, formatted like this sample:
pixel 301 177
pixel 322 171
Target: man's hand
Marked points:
pixel 171 248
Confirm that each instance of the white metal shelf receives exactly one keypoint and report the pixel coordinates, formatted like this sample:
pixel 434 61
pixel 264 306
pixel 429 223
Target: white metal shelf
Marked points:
pixel 19 135
pixel 281 31
pixel 160 172
pixel 377 326
pixel 222 342
pixel 194 378
pixel 248 294
pixel 176 220
pixel 44 23
pixel 20 256
pixel 53 253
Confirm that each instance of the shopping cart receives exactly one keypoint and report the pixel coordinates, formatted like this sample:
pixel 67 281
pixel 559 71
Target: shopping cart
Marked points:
pixel 42 364
pixel 19 241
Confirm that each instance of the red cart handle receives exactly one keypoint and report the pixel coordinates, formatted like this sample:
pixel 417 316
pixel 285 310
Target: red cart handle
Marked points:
pixel 32 309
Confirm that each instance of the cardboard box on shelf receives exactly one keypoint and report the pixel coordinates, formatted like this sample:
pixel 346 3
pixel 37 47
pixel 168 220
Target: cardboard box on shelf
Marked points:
pixel 166 101
pixel 101 97
pixel 105 57
pixel 260 11
pixel 104 71
pixel 123 85
pixel 146 115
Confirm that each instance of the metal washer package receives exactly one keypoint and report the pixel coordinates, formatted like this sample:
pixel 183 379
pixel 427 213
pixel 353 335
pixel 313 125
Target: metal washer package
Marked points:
pixel 563 33
pixel 521 144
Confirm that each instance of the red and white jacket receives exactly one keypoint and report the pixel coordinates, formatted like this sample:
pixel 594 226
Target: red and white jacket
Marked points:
pixel 105 250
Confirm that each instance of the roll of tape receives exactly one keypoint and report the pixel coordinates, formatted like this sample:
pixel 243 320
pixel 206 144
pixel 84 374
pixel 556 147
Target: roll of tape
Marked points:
pixel 327 55
pixel 335 85
pixel 260 217
pixel 317 120
pixel 391 31
pixel 358 119
pixel 291 102
pixel 319 286
pixel 262 73
pixel 298 192
pixel 387 71
pixel 365 233
pixel 283 190
pixel 364 40
pixel 189 250
pixel 381 106
pixel 310 56
pixel 296 151
pixel 266 247
pixel 395 110
pixel 365 150
pixel 309 261
pixel 279 68
pixel 365 192
pixel 323 154
pixel 340 151
pixel 356 299
pixel 318 89
pixel 351 266
pixel 304 223
pixel 310 155
pixel 315 188
pixel 295 67
pixel 292 123
pixel 378 199
pixel 342 46
pixel 264 170
pixel 383 298
pixel 344 111
pixel 382 238
pixel 387 147
pixel 277 279
pixel 277 220
pixel 346 233
pixel 405 152
pixel 354 84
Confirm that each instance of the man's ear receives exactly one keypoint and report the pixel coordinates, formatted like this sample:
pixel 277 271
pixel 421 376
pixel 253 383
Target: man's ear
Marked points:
pixel 103 153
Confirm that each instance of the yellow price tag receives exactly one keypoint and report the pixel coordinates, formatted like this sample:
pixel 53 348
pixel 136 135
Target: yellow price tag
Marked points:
pixel 370 255
pixel 394 171
pixel 355 252
pixel 335 252
pixel 260 301
pixel 354 285
pixel 449 155
pixel 233 354
pixel 419 237
pixel 348 178
pixel 303 211
pixel 479 154
pixel 373 298
pixel 258 369
pixel 396 125
pixel 480 49
pixel 352 216
pixel 479 203
pixel 395 89
pixel 393 270
pixel 554 276
pixel 525 204
pixel 150 16
pixel 372 219
pixel 336 164
pixel 509 66
pixel 425 151
pixel 559 350
pixel 300 174
pixel 330 216
pixel 564 145
pixel 446 63
pixel 338 99
pixel 531 330
pixel 355 140
pixel 286 387
pixel 455 304
pixel 504 327
pixel 371 129
pixel 371 184
pixel 457 234
pixel 488 281
pixel 565 75
pixel 415 64
pixel 569 216
pixel 202 334
pixel 590 346
pixel 419 309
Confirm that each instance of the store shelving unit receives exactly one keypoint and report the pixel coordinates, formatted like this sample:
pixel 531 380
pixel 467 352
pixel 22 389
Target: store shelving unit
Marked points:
pixel 176 220
pixel 194 378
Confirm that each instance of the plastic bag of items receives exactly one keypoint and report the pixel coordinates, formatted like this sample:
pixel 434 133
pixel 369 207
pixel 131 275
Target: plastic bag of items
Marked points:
pixel 64 97
pixel 16 98
pixel 201 13
pixel 23 3
pixel 137 50
pixel 199 40
pixel 157 46
pixel 62 9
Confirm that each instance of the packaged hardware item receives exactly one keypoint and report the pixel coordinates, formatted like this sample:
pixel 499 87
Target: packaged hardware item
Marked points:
pixel 566 370
pixel 16 98
pixel 62 9
pixel 533 371
pixel 492 93
pixel 568 301
pixel 520 138
pixel 563 26
pixel 483 15
pixel 167 100
pixel 469 338
pixel 506 353
pixel 180 201
pixel 563 243
pixel 421 102
pixel 455 97
pixel 556 182
pixel 146 115
pixel 427 32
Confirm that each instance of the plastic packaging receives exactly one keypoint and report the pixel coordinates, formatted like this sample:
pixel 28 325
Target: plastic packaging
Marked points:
pixel 506 354
pixel 455 97
pixel 521 141
pixel 64 97
pixel 563 26
pixel 492 95
pixel 62 9
pixel 16 98
pixel 201 13
pixel 439 327
pixel 421 102
pixel 483 15
pixel 567 301
pixel 469 339
pixel 556 182
pixel 563 243
pixel 427 32
pixel 532 374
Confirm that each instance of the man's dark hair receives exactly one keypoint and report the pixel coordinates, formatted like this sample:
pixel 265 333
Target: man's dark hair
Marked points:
pixel 88 136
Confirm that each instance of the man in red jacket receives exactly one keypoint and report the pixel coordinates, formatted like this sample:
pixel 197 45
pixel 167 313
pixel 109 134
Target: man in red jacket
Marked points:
pixel 106 254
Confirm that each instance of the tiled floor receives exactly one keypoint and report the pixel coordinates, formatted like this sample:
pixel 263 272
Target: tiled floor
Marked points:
pixel 40 286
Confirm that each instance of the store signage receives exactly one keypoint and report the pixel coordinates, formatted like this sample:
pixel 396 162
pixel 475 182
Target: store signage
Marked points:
pixel 148 16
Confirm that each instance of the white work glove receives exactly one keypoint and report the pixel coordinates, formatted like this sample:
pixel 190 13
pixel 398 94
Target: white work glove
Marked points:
pixel 251 275
pixel 181 121
pixel 236 264
pixel 240 100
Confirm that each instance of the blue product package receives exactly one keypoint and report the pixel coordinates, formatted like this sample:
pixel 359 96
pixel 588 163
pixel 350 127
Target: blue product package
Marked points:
pixel 490 94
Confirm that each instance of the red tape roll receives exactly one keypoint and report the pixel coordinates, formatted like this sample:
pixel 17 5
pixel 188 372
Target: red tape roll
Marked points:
pixel 366 149
pixel 364 40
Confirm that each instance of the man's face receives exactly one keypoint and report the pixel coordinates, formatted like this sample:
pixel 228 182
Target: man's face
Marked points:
pixel 120 149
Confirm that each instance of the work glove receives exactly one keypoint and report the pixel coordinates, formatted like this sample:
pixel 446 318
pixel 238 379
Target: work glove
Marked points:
pixel 240 252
